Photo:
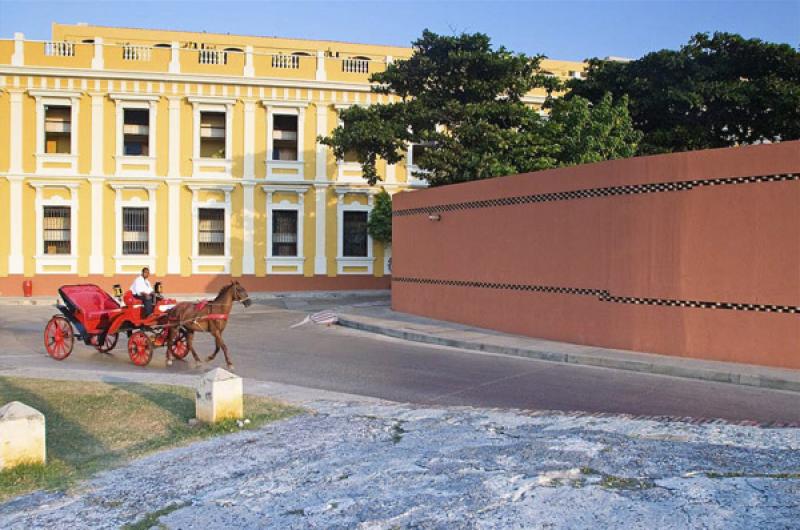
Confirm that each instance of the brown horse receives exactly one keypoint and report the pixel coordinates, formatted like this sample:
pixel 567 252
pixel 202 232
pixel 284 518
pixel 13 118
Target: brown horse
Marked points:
pixel 211 317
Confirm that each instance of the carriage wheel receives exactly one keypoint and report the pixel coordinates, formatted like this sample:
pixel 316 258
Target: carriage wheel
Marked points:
pixel 58 338
pixel 140 348
pixel 180 347
pixel 109 343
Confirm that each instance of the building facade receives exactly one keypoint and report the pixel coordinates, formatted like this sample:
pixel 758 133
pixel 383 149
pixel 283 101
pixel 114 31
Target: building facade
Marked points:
pixel 191 153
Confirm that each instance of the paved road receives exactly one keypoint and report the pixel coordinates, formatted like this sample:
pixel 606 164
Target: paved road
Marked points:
pixel 342 360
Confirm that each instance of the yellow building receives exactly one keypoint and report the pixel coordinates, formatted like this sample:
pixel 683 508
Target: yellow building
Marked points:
pixel 194 154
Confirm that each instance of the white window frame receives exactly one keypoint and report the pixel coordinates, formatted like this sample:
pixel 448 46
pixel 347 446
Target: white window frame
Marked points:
pixel 69 260
pixel 412 180
pixel 62 98
pixel 144 260
pixel 283 261
pixel 343 167
pixel 199 261
pixel 143 102
pixel 212 104
pixel 286 108
pixel 341 207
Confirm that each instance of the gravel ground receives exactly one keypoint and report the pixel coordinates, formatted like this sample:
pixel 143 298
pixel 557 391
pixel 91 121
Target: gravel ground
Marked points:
pixel 387 466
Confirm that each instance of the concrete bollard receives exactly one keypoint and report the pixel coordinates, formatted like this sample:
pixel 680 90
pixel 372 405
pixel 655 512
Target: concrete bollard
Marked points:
pixel 22 438
pixel 219 396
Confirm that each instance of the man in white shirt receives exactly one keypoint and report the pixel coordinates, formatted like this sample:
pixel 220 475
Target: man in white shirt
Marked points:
pixel 141 289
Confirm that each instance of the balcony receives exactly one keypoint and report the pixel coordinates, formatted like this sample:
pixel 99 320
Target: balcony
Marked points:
pixel 58 54
pixel 200 59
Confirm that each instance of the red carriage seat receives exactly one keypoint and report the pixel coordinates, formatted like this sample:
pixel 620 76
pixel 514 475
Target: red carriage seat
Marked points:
pixel 90 304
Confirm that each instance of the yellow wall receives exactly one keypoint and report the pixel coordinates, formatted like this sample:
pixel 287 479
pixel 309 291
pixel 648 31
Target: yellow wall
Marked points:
pixel 136 78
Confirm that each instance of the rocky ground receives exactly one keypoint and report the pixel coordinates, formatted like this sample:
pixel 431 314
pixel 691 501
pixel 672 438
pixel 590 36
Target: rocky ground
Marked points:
pixel 392 466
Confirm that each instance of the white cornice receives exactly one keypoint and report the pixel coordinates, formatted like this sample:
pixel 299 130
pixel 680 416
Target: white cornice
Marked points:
pixel 211 100
pixel 287 189
pixel 284 103
pixel 133 97
pixel 52 93
pixel 210 187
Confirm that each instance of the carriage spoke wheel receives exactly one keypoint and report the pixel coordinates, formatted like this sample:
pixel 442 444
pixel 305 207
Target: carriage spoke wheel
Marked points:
pixel 140 348
pixel 180 347
pixel 108 344
pixel 58 338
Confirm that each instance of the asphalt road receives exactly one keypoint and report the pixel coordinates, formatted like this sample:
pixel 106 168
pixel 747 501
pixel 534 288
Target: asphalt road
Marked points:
pixel 264 347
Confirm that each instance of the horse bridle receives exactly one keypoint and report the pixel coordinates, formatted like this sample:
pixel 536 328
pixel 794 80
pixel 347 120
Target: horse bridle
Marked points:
pixel 245 301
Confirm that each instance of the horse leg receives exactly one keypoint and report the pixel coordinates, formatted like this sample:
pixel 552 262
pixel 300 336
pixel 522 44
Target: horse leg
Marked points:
pixel 190 345
pixel 170 340
pixel 212 329
pixel 220 342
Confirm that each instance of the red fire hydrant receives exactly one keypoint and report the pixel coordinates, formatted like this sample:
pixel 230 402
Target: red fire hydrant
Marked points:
pixel 27 288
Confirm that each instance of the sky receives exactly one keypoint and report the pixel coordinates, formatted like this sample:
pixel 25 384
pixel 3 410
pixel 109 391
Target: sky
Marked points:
pixel 569 30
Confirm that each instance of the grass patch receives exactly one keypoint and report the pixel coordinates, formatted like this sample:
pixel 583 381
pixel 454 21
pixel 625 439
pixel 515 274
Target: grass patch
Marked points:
pixel 151 519
pixel 93 426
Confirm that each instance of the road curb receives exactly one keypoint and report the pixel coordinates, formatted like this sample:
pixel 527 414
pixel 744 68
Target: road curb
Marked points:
pixel 585 359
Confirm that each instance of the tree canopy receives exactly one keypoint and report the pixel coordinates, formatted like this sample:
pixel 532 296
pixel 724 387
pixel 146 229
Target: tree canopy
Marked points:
pixel 463 100
pixel 716 91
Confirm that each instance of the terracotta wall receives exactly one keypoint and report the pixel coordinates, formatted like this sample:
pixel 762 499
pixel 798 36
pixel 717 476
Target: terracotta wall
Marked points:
pixel 48 284
pixel 691 254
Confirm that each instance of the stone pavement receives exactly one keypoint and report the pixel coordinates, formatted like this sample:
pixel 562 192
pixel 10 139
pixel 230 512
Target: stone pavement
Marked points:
pixel 378 465
pixel 380 318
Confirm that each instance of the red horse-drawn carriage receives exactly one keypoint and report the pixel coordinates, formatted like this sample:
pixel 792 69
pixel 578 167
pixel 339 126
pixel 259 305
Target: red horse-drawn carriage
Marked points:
pixel 90 314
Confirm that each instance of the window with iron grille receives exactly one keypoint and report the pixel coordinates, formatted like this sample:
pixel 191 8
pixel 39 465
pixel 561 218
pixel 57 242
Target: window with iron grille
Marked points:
pixel 57 230
pixel 354 234
pixel 284 233
pixel 57 129
pixel 136 132
pixel 135 231
pixel 212 135
pixel 211 231
pixel 284 137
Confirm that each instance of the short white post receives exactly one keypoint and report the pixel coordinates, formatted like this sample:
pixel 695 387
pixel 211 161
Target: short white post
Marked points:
pixel 219 396
pixel 22 437
pixel 18 59
pixel 98 59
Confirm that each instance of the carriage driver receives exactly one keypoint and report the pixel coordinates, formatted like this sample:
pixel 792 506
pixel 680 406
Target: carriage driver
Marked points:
pixel 141 289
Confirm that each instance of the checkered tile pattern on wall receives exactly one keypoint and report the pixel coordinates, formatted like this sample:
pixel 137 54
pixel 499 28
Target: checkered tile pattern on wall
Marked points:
pixel 591 193
pixel 604 296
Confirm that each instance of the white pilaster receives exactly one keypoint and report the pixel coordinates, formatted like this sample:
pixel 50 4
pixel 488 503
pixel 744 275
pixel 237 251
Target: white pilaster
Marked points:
pixel 320 65
pixel 320 259
pixel 322 151
pixel 174 226
pixel 98 61
pixel 249 139
pixel 175 59
pixel 249 69
pixel 97 134
pixel 18 59
pixel 248 255
pixel 96 265
pixel 15 261
pixel 174 157
pixel 15 140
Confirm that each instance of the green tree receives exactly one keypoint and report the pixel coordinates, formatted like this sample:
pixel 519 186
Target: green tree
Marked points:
pixel 379 223
pixel 463 99
pixel 715 91
pixel 586 133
